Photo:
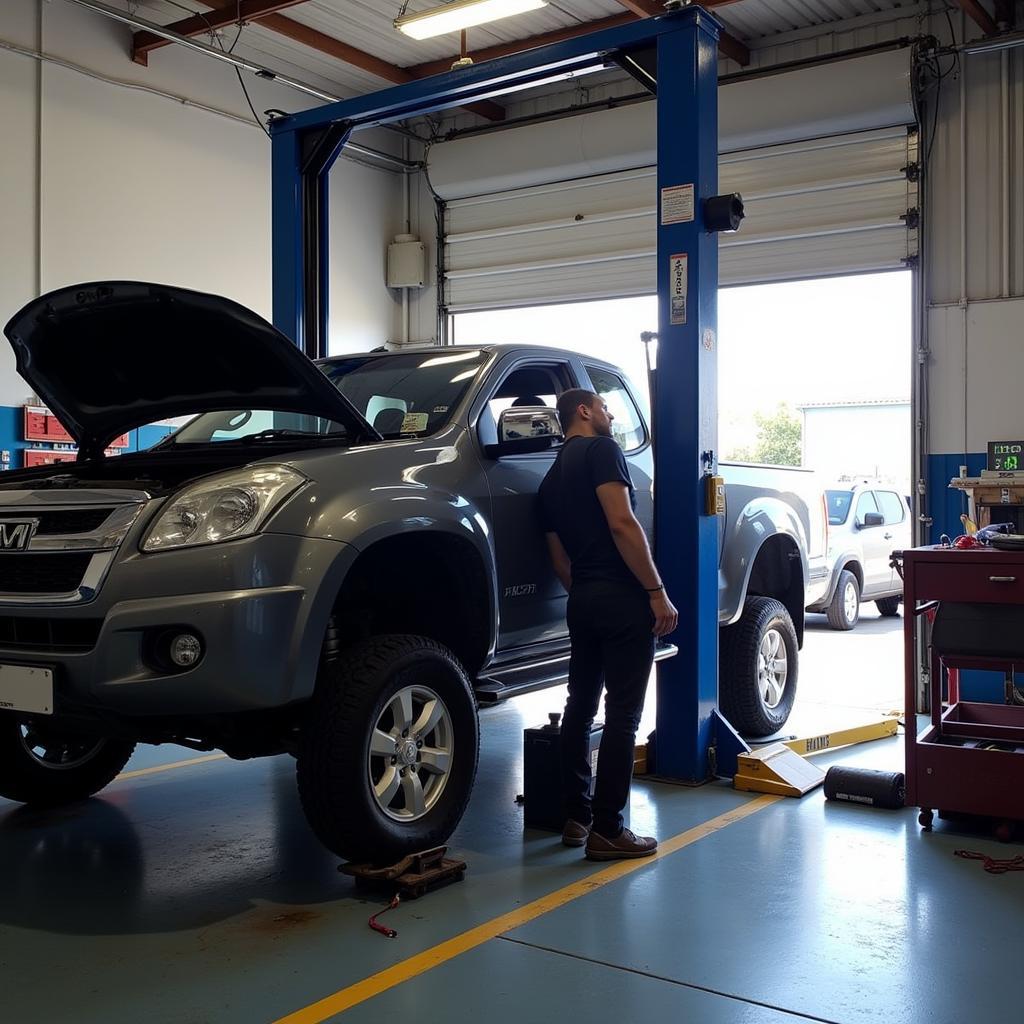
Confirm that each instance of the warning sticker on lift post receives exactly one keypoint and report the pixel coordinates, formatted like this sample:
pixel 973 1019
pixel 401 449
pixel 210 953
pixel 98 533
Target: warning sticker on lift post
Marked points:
pixel 677 204
pixel 677 288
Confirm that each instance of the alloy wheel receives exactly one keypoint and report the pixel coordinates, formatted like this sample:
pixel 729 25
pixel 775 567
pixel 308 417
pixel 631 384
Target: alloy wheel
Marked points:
pixel 56 753
pixel 772 668
pixel 410 754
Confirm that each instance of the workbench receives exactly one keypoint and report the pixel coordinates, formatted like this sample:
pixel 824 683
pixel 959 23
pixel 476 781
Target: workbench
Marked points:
pixel 969 759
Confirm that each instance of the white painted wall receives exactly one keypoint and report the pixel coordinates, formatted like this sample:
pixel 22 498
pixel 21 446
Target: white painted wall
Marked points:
pixel 99 180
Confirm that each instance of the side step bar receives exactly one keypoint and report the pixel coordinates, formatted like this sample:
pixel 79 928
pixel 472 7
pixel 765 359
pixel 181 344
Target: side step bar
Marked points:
pixel 526 677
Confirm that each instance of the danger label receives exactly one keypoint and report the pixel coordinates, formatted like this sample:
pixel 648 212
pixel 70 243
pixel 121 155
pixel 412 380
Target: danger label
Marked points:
pixel 678 265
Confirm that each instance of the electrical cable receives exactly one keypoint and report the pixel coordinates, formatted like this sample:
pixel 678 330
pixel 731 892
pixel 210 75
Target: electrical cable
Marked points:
pixel 215 37
pixel 383 929
pixel 993 865
pixel 68 65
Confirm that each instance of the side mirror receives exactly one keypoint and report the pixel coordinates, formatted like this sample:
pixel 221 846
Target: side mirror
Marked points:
pixel 524 430
pixel 873 519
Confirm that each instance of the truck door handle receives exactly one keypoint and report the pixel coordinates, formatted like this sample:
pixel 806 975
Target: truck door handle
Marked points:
pixel 888 536
pixel 1002 579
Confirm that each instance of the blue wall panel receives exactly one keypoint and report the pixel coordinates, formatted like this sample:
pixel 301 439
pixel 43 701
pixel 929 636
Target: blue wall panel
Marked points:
pixel 945 506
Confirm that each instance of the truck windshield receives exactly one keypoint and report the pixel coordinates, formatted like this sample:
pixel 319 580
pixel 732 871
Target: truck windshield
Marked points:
pixel 839 503
pixel 399 395
pixel 405 394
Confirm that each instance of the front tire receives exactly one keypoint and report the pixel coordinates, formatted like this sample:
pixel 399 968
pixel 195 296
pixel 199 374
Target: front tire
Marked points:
pixel 759 668
pixel 888 607
pixel 388 754
pixel 42 767
pixel 844 611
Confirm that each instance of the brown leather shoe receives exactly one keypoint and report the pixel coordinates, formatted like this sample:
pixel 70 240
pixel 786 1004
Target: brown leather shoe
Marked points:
pixel 625 846
pixel 574 834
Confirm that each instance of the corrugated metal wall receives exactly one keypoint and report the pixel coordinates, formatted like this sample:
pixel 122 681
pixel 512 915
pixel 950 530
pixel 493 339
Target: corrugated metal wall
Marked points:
pixel 994 134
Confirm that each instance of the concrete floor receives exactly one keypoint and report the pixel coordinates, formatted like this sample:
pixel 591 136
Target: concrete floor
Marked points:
pixel 197 894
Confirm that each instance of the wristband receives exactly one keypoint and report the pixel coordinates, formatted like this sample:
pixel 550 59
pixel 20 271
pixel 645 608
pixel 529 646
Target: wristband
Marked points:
pixel 654 590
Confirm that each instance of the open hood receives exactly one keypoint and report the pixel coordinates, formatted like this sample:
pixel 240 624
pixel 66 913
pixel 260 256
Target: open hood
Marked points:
pixel 110 356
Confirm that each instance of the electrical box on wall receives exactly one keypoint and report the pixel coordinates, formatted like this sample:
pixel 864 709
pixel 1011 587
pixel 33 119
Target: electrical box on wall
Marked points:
pixel 407 262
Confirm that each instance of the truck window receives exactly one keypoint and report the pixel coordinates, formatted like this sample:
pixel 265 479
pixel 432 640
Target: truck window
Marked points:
pixel 628 427
pixel 407 393
pixel 839 503
pixel 865 504
pixel 528 385
pixel 892 506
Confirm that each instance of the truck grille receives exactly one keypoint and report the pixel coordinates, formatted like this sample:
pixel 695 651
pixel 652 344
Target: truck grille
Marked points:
pixel 62 521
pixel 74 543
pixel 68 635
pixel 43 573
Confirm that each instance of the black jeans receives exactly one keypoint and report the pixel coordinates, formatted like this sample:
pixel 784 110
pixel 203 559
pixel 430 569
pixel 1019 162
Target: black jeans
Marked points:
pixel 612 644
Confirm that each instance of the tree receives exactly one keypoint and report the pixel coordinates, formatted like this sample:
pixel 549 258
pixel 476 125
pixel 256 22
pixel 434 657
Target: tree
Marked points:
pixel 779 440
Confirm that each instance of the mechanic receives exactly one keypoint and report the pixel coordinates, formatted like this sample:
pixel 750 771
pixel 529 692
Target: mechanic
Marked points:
pixel 617 607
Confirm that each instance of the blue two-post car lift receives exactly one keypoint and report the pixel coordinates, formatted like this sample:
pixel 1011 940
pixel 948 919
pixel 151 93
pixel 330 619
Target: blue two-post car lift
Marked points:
pixel 676 56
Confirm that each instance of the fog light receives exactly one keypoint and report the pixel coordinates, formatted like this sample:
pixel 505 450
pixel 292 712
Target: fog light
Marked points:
pixel 185 650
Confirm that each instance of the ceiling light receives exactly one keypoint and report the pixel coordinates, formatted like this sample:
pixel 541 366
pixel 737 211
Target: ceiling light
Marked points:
pixel 453 17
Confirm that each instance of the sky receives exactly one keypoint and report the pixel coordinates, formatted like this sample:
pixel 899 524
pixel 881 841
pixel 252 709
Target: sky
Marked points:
pixel 827 340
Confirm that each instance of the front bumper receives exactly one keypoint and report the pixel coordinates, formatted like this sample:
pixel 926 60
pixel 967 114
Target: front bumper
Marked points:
pixel 261 606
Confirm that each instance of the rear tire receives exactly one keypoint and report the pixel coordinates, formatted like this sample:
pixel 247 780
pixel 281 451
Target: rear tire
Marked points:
pixel 388 753
pixel 844 611
pixel 759 667
pixel 41 767
pixel 888 607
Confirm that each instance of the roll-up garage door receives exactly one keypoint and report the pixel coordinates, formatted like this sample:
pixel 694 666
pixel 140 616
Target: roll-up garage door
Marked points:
pixel 564 209
pixel 838 205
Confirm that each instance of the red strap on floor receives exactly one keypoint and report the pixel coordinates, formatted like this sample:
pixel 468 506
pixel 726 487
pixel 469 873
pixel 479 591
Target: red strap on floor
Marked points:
pixel 383 929
pixel 993 865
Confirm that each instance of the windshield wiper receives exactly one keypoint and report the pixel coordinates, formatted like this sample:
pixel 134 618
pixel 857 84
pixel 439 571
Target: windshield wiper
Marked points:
pixel 287 432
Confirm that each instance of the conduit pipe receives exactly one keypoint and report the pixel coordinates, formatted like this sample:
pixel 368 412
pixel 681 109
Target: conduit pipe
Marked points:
pixel 258 70
pixel 1004 100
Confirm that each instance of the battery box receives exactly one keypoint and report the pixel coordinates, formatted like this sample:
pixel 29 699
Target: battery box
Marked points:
pixel 542 787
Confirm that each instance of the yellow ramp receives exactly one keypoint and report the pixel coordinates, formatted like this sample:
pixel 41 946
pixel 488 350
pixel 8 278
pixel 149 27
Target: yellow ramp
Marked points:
pixel 778 770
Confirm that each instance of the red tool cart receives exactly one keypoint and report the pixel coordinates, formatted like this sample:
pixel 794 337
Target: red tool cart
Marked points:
pixel 969 759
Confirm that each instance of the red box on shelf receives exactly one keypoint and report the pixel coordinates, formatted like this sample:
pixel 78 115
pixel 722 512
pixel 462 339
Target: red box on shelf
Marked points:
pixel 47 457
pixel 42 425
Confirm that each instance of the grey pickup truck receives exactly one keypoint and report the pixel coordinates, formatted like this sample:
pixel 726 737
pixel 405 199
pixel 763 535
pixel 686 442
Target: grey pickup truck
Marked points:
pixel 340 561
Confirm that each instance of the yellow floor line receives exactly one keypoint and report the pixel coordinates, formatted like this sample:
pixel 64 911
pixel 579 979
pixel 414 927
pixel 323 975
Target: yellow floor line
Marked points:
pixel 437 955
pixel 157 768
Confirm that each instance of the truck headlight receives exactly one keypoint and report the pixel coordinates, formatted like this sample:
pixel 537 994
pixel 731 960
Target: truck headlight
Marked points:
pixel 223 507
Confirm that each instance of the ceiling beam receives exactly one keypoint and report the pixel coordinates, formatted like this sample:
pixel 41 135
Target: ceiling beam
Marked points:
pixel 978 14
pixel 437 67
pixel 317 40
pixel 266 13
pixel 728 45
pixel 228 14
pixel 740 53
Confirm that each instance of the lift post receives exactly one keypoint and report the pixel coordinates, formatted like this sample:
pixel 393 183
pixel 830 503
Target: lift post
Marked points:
pixel 676 57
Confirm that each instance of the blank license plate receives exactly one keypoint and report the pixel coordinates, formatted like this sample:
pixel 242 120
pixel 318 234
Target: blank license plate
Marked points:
pixel 26 689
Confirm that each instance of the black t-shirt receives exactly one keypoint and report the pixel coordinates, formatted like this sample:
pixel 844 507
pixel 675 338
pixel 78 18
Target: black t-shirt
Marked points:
pixel 570 507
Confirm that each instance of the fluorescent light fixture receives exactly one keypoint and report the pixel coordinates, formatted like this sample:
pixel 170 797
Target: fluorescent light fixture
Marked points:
pixel 460 14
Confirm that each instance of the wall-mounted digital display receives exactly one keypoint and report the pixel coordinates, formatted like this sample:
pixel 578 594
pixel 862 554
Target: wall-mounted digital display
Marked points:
pixel 1006 456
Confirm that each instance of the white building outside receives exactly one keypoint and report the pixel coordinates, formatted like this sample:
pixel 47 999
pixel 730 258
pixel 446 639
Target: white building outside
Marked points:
pixel 858 439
